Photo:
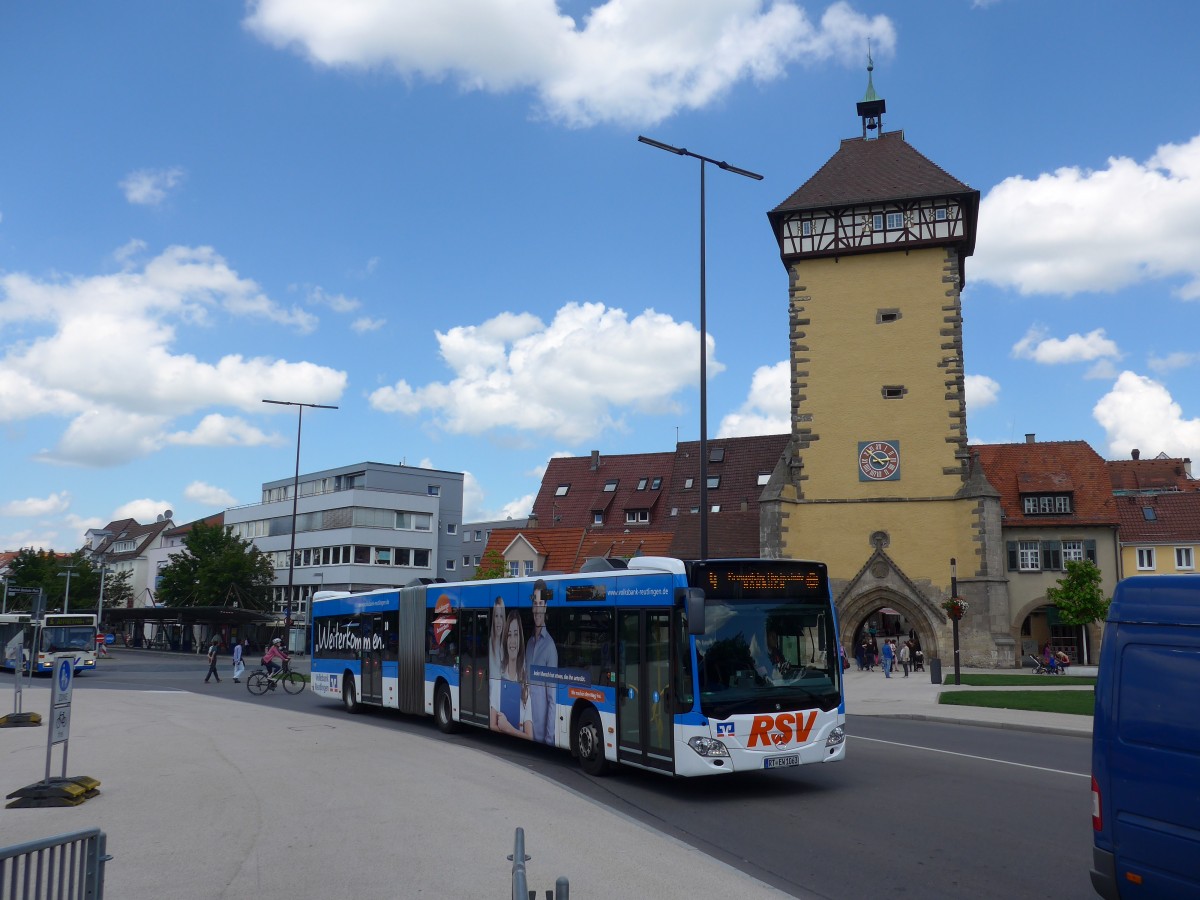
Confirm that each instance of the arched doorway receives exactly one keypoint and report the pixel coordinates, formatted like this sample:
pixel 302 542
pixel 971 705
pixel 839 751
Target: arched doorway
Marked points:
pixel 893 616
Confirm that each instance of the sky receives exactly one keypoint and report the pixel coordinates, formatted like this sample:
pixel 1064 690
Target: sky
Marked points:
pixel 438 218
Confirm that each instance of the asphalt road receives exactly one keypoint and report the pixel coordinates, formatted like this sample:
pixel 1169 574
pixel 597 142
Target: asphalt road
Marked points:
pixel 919 809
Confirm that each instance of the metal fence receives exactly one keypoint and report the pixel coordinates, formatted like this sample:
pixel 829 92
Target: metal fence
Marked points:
pixel 520 880
pixel 65 867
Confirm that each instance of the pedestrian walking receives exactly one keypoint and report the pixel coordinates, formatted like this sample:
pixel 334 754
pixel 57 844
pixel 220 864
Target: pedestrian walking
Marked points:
pixel 888 656
pixel 904 655
pixel 238 666
pixel 212 661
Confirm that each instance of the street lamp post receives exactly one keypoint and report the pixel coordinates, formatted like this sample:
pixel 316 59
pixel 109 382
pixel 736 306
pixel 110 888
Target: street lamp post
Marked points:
pixel 954 619
pixel 295 488
pixel 67 595
pixel 720 164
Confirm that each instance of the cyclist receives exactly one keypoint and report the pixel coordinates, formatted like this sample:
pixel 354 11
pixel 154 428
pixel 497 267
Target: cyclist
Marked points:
pixel 275 658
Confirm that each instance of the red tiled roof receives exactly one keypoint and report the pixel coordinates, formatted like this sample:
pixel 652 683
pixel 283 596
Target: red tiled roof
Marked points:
pixel 1151 475
pixel 873 171
pixel 586 493
pixel 566 549
pixel 1176 518
pixel 1049 467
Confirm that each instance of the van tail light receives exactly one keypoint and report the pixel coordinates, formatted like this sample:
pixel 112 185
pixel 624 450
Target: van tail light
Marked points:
pixel 1097 819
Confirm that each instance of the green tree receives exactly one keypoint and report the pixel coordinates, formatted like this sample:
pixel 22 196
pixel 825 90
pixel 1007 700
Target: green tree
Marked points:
pixel 216 568
pixel 1078 596
pixel 491 566
pixel 41 569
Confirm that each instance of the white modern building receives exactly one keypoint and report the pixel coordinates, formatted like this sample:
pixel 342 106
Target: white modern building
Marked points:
pixel 358 527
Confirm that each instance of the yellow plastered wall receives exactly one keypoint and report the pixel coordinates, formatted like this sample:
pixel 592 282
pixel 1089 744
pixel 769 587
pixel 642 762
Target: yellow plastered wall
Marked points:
pixel 843 357
pixel 923 536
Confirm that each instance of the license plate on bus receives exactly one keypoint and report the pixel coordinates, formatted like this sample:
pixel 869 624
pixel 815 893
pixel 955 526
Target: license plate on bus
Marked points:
pixel 780 762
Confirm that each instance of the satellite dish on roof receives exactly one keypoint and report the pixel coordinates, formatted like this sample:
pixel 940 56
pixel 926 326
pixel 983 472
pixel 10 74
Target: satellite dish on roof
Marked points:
pixel 168 514
pixel 160 518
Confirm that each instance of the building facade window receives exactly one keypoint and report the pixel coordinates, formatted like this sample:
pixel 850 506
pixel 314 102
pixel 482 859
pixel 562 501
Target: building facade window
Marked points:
pixel 451 528
pixel 597 518
pixel 514 569
pixel 1145 559
pixel 1183 558
pixel 688 482
pixel 529 567
pixel 637 516
pixel 714 482
pixel 450 564
pixel 1046 504
pixel 641 485
pixel 611 485
pixel 895 220
pixel 1029 555
pixel 435 490
pixel 655 484
pixel 1072 551
pixel 561 490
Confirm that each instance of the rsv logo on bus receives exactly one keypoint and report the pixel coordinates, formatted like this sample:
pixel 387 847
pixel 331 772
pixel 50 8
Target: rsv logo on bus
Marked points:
pixel 780 730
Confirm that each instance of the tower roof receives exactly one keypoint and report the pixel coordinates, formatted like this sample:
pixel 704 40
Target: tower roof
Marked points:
pixel 873 171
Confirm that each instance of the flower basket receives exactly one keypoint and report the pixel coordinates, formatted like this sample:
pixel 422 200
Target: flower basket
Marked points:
pixel 955 607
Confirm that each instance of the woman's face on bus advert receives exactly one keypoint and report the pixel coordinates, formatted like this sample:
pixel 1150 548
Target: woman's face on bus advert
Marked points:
pixel 514 639
pixel 498 619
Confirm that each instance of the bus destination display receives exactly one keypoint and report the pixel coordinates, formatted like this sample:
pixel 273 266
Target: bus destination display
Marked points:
pixel 774 580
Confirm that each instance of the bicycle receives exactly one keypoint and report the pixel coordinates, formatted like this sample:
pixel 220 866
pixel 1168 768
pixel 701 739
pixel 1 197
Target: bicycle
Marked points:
pixel 260 681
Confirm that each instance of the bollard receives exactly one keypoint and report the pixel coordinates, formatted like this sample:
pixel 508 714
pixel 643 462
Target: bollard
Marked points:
pixel 935 670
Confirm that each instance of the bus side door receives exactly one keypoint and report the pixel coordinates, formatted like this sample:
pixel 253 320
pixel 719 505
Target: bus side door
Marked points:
pixel 645 711
pixel 372 659
pixel 473 666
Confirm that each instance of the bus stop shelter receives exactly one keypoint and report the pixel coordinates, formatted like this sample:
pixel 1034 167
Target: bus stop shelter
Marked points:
pixel 188 628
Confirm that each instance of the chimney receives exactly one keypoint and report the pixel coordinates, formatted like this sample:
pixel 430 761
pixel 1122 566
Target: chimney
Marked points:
pixel 1135 453
pixel 595 461
pixel 1031 438
pixel 532 521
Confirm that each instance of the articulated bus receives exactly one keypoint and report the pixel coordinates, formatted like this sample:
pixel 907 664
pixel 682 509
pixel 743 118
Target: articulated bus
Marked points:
pixel 694 668
pixel 53 633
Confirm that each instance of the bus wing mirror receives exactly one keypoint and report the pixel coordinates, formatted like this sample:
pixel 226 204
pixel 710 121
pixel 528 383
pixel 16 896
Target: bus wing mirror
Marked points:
pixel 694 606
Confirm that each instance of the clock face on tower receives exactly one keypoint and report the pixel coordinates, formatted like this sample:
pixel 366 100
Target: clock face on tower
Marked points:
pixel 879 461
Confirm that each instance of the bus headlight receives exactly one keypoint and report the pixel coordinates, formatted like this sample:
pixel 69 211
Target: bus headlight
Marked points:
pixel 837 736
pixel 707 746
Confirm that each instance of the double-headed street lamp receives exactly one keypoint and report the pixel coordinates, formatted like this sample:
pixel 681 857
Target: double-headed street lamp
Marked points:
pixel 720 164
pixel 295 489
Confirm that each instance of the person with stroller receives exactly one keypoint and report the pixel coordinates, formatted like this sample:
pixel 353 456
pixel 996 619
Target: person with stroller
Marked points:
pixel 1061 661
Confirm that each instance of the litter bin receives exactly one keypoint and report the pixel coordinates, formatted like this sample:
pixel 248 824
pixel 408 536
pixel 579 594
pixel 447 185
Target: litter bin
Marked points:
pixel 935 670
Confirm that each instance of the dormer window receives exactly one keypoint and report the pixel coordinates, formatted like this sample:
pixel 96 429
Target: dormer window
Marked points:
pixel 655 484
pixel 637 516
pixel 642 484
pixel 597 517
pixel 561 490
pixel 1047 504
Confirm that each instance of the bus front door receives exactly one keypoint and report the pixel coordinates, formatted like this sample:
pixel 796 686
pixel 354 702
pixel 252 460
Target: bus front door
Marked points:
pixel 473 667
pixel 645 716
pixel 372 660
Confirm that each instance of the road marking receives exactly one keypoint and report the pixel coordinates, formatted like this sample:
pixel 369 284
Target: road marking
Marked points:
pixel 1003 762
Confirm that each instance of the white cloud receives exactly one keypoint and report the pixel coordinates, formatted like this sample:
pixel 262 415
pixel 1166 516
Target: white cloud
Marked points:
pixel 208 495
pixel 767 409
pixel 1080 230
pixel 473 503
pixel 149 187
pixel 519 508
pixel 1178 360
pixel 37 506
pixel 981 391
pixel 629 61
pixel 1139 413
pixel 144 510
pixel 102 355
pixel 216 430
pixel 514 371
pixel 1073 348
pixel 365 324
pixel 337 302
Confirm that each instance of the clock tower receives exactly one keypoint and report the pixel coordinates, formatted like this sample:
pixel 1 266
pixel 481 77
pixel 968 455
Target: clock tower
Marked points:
pixel 876 480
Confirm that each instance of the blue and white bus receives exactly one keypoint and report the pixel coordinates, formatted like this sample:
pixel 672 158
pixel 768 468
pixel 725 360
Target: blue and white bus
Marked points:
pixel 688 668
pixel 42 639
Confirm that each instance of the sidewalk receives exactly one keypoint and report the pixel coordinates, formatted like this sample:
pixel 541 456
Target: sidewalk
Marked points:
pixel 202 798
pixel 915 697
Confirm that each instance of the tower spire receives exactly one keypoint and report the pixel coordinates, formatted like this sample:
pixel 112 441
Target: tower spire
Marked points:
pixel 871 107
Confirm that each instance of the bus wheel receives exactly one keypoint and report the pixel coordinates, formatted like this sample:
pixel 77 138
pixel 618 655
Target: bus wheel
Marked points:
pixel 348 698
pixel 443 710
pixel 589 741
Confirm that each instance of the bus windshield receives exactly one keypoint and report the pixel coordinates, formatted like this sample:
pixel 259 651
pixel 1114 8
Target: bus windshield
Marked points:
pixel 64 638
pixel 766 656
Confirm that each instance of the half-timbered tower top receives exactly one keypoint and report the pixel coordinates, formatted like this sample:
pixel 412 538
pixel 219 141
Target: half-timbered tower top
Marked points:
pixel 876 195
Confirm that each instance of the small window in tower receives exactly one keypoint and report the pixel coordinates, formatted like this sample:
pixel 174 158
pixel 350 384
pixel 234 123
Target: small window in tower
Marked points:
pixel 877 222
pixel 895 220
pixel 806 229
pixel 939 214
pixel 886 316
pixel 893 391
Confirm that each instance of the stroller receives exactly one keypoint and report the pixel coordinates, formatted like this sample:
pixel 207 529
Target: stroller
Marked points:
pixel 918 658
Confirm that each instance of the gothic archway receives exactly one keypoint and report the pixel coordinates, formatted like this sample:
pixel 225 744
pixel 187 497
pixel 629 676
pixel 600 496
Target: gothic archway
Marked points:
pixel 854 611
